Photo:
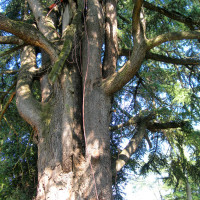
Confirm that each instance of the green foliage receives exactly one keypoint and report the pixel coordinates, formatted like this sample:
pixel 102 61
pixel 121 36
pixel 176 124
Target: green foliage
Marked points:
pixel 171 91
pixel 18 154
pixel 18 170
pixel 14 9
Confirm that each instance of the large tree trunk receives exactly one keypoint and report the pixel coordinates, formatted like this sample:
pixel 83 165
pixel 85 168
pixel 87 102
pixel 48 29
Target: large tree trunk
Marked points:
pixel 72 119
pixel 64 171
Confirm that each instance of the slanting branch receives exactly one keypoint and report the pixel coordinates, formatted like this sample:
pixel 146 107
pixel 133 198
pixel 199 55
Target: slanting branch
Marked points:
pixel 9 89
pixel 122 110
pixel 28 33
pixel 142 124
pixel 11 40
pixel 166 59
pixel 45 23
pixel 57 68
pixel 162 58
pixel 173 15
pixel 151 43
pixel 158 126
pixel 11 72
pixel 37 8
pixel 7 104
pixel 10 126
pixel 11 50
pixel 127 21
pixel 132 146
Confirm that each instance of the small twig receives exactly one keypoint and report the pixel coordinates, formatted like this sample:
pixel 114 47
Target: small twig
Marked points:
pixel 25 149
pixel 10 88
pixel 10 126
pixel 7 104
pixel 12 50
pixel 11 72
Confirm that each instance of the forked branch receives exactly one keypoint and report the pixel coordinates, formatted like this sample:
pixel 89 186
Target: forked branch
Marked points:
pixel 116 81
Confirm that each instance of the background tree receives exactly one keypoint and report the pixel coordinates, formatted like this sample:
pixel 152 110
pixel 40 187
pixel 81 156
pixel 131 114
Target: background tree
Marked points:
pixel 73 67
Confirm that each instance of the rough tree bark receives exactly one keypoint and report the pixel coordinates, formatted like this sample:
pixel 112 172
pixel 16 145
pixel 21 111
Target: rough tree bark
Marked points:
pixel 72 118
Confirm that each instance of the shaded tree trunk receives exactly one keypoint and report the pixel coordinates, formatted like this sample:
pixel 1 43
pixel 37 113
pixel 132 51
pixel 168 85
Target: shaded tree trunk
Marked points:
pixel 71 121
pixel 65 170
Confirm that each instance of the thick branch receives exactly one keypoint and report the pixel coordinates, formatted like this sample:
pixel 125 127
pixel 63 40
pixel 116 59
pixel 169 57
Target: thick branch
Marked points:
pixel 125 155
pixel 161 58
pixel 136 16
pixel 173 15
pixel 158 126
pixel 172 36
pixel 37 8
pixel 132 146
pixel 166 59
pixel 45 23
pixel 152 126
pixel 92 43
pixel 111 45
pixel 28 33
pixel 28 107
pixel 10 40
pixel 143 124
pixel 116 81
